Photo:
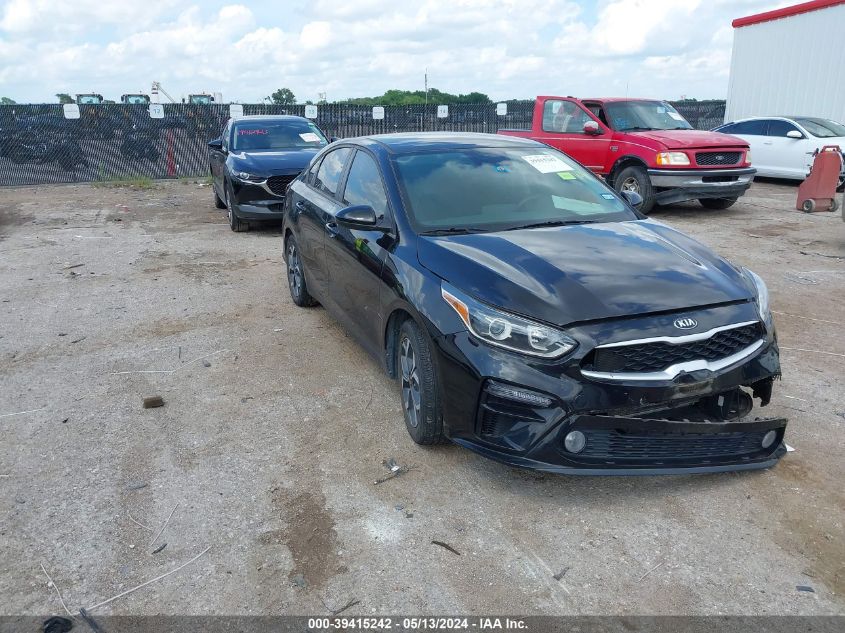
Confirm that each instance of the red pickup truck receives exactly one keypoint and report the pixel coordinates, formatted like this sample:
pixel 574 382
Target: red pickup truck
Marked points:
pixel 645 146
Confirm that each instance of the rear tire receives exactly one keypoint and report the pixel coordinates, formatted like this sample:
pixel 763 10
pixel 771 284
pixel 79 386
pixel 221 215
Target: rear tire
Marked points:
pixel 296 275
pixel 717 203
pixel 809 206
pixel 636 179
pixel 418 383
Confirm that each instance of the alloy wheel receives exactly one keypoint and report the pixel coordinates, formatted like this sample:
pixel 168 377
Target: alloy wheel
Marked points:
pixel 631 184
pixel 294 270
pixel 411 396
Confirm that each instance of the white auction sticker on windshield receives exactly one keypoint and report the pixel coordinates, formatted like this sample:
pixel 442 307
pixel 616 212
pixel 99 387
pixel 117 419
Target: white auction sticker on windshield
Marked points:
pixel 675 116
pixel 546 163
pixel 310 137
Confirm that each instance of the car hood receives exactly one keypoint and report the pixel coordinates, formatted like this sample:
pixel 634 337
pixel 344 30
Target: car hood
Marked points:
pixel 563 275
pixel 691 139
pixel 272 162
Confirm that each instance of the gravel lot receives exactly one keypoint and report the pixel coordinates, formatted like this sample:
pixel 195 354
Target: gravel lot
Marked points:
pixel 276 424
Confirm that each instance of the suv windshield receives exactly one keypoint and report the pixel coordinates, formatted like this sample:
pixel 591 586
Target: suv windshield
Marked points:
pixel 494 189
pixel 633 116
pixel 270 135
pixel 823 128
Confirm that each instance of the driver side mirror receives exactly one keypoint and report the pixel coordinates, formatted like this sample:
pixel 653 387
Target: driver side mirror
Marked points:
pixel 794 134
pixel 216 144
pixel 591 127
pixel 633 198
pixel 357 216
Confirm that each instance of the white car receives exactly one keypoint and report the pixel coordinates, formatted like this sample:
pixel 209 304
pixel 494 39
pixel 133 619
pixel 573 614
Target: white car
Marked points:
pixel 782 147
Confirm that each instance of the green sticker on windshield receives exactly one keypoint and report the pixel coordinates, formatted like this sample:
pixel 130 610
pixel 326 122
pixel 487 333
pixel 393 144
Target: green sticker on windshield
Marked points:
pixel 566 175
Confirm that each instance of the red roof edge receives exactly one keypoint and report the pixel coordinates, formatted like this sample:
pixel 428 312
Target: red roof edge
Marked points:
pixel 785 12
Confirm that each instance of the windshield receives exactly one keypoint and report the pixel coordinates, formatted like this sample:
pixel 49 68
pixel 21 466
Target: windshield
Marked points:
pixel 494 189
pixel 269 135
pixel 87 99
pixel 633 116
pixel 823 128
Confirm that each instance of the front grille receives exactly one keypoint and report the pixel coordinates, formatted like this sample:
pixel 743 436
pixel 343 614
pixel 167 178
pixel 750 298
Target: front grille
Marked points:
pixel 657 356
pixel 718 158
pixel 616 445
pixel 278 184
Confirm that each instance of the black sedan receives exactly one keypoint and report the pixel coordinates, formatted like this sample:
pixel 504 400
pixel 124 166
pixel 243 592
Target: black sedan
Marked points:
pixel 529 312
pixel 253 162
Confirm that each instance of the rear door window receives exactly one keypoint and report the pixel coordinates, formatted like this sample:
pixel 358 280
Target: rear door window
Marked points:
pixel 330 171
pixel 757 127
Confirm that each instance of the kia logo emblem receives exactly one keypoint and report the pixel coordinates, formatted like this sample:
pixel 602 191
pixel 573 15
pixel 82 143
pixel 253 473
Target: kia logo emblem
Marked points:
pixel 685 324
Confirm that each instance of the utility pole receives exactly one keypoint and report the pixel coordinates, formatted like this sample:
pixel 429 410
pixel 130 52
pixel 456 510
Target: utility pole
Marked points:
pixel 426 86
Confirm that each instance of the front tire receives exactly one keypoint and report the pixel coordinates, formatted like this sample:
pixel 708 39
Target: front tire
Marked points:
pixel 418 382
pixel 235 223
pixel 717 203
pixel 296 275
pixel 636 179
pixel 218 202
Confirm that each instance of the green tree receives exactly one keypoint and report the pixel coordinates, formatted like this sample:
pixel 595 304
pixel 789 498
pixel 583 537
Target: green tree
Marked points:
pixel 283 96
pixel 413 97
pixel 64 97
pixel 7 101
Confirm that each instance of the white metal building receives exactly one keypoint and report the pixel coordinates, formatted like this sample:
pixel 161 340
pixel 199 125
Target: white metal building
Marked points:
pixel 789 61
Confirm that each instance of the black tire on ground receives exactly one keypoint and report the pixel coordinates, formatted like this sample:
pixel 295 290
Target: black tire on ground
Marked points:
pixel 840 185
pixel 218 202
pixel 418 383
pixel 296 275
pixel 636 179
pixel 235 223
pixel 809 205
pixel 834 204
pixel 717 203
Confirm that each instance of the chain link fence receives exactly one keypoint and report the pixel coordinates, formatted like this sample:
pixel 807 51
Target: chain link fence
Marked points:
pixel 38 145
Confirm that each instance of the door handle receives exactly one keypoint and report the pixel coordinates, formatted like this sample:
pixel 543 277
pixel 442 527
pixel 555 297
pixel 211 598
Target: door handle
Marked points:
pixel 331 229
pixel 767 142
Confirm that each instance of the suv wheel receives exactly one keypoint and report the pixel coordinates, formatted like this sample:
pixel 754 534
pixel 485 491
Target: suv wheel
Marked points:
pixel 636 179
pixel 218 202
pixel 417 378
pixel 235 223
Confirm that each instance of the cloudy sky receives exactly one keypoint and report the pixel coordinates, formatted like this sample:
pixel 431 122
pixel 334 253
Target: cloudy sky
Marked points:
pixel 351 48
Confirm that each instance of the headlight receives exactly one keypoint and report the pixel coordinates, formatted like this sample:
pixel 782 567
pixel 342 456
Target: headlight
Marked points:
pixel 247 177
pixel 672 158
pixel 748 157
pixel 762 294
pixel 505 330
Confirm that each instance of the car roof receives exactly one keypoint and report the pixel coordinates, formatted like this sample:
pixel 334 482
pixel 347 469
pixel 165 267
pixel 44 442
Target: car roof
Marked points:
pixel 269 117
pixel 612 99
pixel 410 142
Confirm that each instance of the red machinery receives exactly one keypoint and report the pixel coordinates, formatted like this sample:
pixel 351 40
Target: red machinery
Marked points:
pixel 818 191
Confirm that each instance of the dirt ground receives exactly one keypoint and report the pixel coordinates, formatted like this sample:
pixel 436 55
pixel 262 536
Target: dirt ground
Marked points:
pixel 276 424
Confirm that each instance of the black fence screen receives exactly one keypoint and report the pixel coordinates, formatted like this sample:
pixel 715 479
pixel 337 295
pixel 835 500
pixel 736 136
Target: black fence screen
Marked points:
pixel 115 141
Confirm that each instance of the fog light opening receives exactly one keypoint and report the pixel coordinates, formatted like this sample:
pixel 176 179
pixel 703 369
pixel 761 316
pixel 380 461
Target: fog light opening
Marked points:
pixel 575 441
pixel 769 439
pixel 520 395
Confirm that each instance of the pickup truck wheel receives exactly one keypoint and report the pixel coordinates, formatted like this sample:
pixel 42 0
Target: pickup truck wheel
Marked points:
pixel 636 179
pixel 717 203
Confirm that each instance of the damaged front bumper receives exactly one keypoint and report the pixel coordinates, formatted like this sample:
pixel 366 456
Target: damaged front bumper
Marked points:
pixel 521 411
pixel 676 185
pixel 643 446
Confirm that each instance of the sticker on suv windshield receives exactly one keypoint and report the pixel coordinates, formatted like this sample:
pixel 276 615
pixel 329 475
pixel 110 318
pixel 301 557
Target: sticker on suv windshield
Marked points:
pixel 310 137
pixel 675 116
pixel 546 163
